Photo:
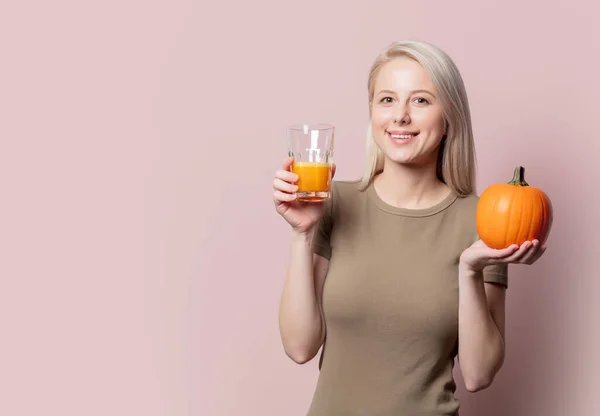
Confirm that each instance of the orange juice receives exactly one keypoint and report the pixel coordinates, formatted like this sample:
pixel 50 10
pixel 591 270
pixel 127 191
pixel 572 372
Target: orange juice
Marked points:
pixel 313 180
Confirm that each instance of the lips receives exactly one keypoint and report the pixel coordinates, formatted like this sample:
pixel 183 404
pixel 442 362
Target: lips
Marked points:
pixel 402 136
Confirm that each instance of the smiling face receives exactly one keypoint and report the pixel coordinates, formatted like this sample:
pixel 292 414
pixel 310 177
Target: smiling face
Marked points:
pixel 406 115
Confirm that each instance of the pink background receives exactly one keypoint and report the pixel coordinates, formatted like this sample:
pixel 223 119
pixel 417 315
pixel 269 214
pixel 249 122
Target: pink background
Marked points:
pixel 141 257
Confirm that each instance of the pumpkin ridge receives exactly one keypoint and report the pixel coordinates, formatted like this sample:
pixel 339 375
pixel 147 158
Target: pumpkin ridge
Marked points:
pixel 520 212
pixel 499 237
pixel 511 235
pixel 490 215
pixel 526 216
pixel 541 221
pixel 506 218
pixel 532 222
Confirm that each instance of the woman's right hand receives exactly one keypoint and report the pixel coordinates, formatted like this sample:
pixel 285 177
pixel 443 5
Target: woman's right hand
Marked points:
pixel 302 216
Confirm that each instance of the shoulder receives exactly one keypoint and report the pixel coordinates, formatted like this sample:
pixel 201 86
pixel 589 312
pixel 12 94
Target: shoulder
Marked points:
pixel 345 190
pixel 465 212
pixel 344 195
pixel 346 186
pixel 468 203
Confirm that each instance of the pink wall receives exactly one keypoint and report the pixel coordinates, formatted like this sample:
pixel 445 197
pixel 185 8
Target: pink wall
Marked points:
pixel 142 260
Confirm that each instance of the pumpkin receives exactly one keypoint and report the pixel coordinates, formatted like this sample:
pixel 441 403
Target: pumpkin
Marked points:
pixel 512 213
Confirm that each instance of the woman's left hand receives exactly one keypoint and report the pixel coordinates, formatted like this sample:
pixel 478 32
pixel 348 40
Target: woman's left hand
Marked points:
pixel 480 255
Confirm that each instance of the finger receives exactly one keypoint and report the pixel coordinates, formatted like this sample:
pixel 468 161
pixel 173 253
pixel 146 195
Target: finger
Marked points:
pixel 287 162
pixel 518 255
pixel 539 252
pixel 531 254
pixel 280 185
pixel 505 252
pixel 286 176
pixel 332 170
pixel 281 197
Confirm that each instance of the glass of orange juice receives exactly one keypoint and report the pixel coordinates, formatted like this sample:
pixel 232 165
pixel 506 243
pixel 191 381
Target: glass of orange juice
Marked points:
pixel 311 146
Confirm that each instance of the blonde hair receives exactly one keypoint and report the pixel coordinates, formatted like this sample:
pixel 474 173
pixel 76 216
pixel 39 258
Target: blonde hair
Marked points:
pixel 456 160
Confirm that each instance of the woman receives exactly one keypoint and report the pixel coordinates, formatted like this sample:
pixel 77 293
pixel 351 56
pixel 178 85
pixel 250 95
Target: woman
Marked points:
pixel 389 274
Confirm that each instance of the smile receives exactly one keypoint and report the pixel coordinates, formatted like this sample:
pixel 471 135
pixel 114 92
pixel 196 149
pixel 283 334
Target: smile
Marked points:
pixel 402 137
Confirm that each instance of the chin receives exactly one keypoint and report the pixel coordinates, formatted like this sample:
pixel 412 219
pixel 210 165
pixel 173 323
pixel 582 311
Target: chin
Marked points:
pixel 408 156
pixel 397 155
pixel 400 159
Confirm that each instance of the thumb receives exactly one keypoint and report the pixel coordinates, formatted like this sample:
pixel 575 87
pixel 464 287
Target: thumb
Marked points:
pixel 332 170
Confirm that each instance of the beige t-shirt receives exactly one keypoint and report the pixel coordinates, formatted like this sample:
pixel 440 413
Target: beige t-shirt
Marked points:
pixel 391 304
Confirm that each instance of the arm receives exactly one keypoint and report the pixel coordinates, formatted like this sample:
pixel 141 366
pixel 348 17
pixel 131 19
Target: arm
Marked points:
pixel 301 322
pixel 481 316
pixel 481 310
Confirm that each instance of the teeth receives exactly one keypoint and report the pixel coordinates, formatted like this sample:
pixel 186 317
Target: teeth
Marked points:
pixel 402 136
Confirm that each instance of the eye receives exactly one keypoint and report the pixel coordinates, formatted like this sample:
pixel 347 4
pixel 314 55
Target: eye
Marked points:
pixel 421 100
pixel 386 100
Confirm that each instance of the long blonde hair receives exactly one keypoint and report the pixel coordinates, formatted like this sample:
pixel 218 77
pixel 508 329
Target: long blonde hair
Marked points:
pixel 456 160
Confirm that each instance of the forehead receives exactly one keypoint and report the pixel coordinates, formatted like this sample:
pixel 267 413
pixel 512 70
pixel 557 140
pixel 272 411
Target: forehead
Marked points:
pixel 403 74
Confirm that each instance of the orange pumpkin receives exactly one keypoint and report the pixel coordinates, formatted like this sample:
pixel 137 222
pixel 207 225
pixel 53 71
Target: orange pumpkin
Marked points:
pixel 513 212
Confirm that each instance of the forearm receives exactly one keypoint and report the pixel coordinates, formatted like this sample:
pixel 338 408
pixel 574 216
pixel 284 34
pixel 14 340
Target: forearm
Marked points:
pixel 481 346
pixel 300 320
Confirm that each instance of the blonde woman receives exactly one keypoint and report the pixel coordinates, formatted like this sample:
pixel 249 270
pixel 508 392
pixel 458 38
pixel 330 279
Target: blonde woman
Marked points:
pixel 389 275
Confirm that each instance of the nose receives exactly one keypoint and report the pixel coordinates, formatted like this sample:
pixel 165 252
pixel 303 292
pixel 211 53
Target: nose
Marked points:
pixel 402 115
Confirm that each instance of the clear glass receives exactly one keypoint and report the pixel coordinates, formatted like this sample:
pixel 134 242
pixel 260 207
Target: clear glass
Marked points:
pixel 311 146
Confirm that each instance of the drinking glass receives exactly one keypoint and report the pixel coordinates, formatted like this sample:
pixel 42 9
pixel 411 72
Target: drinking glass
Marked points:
pixel 311 146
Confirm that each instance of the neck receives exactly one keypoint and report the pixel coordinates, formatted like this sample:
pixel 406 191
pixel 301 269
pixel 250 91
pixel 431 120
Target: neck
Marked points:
pixel 410 186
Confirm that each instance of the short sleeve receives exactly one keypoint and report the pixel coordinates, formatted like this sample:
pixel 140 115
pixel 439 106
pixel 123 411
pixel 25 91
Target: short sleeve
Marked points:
pixel 321 241
pixel 497 273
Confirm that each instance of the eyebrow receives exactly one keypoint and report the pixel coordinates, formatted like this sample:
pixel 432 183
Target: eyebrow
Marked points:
pixel 412 92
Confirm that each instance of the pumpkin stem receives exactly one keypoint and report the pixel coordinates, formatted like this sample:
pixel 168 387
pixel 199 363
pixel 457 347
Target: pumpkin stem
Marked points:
pixel 519 177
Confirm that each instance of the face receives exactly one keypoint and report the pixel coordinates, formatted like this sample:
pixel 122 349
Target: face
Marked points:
pixel 406 116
